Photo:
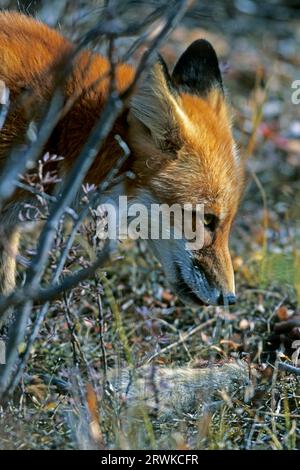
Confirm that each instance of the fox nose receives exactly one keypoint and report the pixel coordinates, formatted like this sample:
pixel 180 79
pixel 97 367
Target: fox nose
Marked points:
pixel 227 299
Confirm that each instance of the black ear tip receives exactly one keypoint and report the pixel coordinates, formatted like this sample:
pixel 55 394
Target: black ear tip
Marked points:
pixel 202 49
pixel 201 45
pixel 198 68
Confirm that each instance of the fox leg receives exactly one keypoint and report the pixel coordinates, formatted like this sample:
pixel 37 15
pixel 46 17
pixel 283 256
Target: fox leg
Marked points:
pixel 9 243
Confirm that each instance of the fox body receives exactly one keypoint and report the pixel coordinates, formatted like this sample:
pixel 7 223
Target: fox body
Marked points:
pixel 178 129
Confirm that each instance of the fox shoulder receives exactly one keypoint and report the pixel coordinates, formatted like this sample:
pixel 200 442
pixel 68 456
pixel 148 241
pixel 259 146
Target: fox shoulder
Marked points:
pixel 27 47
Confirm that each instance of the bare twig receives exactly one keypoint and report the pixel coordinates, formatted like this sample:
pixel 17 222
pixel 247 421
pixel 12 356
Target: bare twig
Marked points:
pixel 182 339
pixel 41 295
pixel 101 332
pixel 19 159
pixel 288 368
pixel 41 315
pixel 74 340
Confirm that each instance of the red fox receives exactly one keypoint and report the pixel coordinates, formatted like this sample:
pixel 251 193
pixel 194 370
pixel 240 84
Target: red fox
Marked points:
pixel 177 127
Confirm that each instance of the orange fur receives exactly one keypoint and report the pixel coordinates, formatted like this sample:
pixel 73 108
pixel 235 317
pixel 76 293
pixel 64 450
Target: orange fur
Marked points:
pixel 30 52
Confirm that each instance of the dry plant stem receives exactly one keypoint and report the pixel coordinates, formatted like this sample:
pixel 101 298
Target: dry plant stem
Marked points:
pixel 101 332
pixel 17 164
pixel 74 340
pixel 71 188
pixel 42 313
pixel 114 28
pixel 288 368
pixel 30 341
pixel 36 192
pixel 170 24
pixel 42 295
pixel 15 299
pixel 182 339
pixel 96 198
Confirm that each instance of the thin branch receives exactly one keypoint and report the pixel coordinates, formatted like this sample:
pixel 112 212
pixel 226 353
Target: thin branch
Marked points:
pixel 288 368
pixel 36 192
pixel 41 315
pixel 40 295
pixel 170 24
pixel 74 339
pixel 182 339
pixel 19 160
pixel 101 331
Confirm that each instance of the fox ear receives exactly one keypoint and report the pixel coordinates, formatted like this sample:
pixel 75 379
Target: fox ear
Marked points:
pixel 197 71
pixel 156 108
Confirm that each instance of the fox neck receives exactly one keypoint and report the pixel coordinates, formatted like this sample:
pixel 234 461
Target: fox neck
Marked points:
pixel 89 82
pixel 69 143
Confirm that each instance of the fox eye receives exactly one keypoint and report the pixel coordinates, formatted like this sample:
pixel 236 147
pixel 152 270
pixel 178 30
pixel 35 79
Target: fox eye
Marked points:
pixel 210 221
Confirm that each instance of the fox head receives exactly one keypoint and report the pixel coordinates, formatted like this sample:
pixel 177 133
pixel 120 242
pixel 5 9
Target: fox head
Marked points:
pixel 183 150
